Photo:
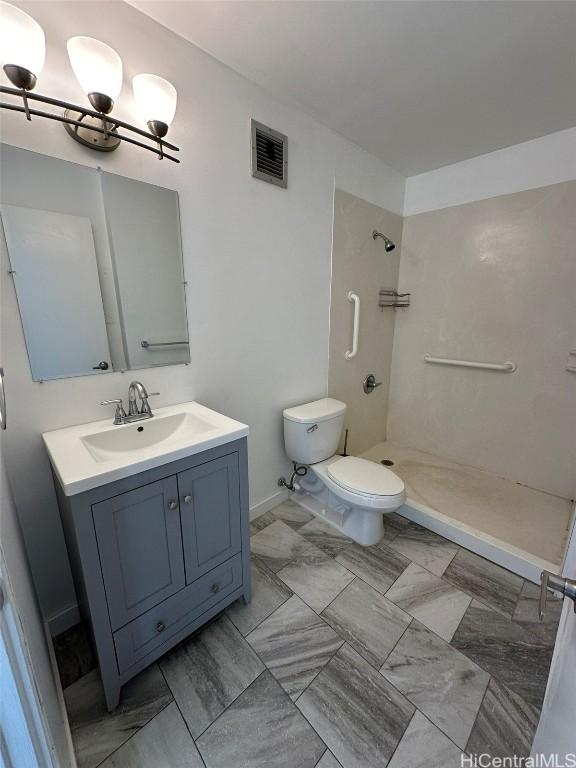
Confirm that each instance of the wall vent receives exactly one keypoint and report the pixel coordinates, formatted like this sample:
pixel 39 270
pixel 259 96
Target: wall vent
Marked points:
pixel 269 155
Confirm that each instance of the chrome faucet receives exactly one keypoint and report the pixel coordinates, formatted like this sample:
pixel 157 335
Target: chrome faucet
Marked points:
pixel 136 390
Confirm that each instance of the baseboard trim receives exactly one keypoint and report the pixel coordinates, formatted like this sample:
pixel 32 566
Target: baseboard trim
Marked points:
pixel 268 504
pixel 68 759
pixel 62 621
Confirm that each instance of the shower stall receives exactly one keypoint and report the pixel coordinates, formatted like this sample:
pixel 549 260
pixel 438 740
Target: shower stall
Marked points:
pixel 477 408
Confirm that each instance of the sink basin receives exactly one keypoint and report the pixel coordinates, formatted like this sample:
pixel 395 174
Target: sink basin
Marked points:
pixel 104 446
pixel 93 454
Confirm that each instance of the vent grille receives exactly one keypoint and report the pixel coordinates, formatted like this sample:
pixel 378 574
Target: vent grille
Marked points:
pixel 269 155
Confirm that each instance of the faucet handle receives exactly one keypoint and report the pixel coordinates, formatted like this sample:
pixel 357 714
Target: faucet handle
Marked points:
pixel 145 404
pixel 120 415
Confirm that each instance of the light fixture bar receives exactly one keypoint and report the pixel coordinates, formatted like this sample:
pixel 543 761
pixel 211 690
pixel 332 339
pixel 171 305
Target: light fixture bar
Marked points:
pixel 158 147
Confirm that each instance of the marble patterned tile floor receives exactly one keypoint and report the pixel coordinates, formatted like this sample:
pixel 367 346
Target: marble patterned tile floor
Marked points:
pixel 407 654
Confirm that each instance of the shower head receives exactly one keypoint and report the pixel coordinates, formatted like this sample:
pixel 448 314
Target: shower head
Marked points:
pixel 389 245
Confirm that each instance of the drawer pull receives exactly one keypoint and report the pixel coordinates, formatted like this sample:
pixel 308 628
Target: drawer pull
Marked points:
pixel 187 499
pixel 160 627
pixel 215 588
pixel 172 504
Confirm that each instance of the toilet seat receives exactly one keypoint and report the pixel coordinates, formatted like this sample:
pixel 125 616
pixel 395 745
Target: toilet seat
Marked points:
pixel 365 477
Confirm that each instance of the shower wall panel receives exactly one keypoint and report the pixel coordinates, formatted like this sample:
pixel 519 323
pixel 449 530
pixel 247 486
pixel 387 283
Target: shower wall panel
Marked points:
pixel 361 264
pixel 493 280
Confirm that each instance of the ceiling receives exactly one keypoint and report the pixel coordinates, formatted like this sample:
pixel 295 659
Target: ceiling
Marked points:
pixel 420 84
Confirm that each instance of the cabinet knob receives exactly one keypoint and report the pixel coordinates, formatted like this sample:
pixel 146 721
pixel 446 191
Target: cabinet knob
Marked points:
pixel 172 504
pixel 215 588
pixel 160 627
pixel 187 499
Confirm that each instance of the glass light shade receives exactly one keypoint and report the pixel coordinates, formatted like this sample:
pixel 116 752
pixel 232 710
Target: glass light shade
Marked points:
pixel 22 41
pixel 155 98
pixel 97 67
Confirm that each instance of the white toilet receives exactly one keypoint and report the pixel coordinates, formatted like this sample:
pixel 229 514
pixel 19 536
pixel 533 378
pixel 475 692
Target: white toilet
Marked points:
pixel 350 493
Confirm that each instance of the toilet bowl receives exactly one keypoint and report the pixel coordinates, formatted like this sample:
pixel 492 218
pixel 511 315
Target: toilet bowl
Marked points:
pixel 351 493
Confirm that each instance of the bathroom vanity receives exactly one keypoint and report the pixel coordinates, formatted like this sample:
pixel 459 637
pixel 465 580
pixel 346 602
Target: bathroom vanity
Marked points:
pixel 156 521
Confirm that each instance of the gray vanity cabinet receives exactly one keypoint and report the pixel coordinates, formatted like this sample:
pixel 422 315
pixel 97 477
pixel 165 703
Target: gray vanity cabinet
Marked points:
pixel 140 547
pixel 210 514
pixel 158 554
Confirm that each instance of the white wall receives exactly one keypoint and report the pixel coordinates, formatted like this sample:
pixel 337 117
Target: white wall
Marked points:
pixel 23 607
pixel 539 163
pixel 257 261
pixel 21 612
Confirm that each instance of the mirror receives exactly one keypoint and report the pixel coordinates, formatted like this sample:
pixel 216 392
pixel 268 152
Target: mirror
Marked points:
pixel 96 260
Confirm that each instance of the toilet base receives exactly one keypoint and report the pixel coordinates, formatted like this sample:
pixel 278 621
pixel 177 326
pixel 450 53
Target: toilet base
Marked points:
pixel 363 526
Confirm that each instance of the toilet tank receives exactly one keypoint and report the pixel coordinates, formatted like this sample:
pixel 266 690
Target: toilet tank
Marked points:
pixel 312 431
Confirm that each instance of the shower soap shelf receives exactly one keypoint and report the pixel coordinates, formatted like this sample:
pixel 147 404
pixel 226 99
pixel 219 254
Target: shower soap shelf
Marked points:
pixel 390 298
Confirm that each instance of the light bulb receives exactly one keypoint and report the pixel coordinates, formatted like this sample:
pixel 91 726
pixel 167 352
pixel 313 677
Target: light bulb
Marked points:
pixel 22 46
pixel 156 101
pixel 98 69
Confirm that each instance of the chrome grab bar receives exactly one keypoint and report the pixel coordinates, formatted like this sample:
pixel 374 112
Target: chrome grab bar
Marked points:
pixel 147 344
pixel 2 401
pixel 507 367
pixel 354 298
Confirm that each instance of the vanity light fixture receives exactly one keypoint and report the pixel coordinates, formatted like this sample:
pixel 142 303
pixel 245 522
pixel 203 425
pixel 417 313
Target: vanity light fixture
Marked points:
pixel 98 69
pixel 156 100
pixel 22 47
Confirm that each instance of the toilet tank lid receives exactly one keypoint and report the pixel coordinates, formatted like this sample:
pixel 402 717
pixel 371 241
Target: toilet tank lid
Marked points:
pixel 319 410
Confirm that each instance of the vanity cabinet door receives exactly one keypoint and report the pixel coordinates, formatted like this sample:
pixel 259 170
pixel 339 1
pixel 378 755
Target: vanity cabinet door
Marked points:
pixel 210 513
pixel 140 546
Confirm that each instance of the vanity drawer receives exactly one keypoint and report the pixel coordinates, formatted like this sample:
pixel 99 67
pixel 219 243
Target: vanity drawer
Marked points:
pixel 141 636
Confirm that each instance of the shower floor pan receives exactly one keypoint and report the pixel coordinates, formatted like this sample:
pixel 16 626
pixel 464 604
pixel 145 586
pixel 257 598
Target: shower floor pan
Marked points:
pixel 517 527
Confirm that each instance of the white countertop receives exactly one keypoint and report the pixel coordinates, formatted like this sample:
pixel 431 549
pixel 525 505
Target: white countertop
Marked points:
pixel 89 455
